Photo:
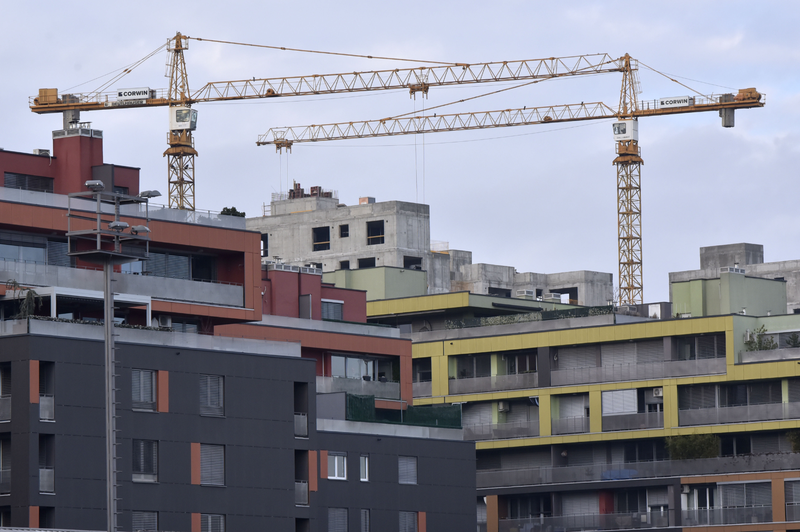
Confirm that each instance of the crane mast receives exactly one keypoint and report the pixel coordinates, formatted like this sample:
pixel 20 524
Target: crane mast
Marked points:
pixel 181 153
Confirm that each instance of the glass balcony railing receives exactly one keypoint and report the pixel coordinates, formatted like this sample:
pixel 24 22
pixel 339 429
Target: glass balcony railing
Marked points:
pixel 613 521
pixel 5 481
pixel 647 420
pixel 738 414
pixel 421 389
pixel 378 389
pixel 46 407
pixel 636 372
pixel 494 383
pixel 726 516
pixel 5 408
pixel 301 424
pixel 793 511
pixel 500 431
pixel 301 493
pixel 570 425
pixel 47 480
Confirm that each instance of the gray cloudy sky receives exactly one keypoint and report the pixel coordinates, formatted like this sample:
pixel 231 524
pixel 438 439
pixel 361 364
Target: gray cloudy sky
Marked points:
pixel 540 198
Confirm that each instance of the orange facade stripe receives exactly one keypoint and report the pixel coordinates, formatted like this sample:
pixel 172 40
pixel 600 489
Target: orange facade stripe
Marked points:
pixel 196 523
pixel 323 464
pixel 33 517
pixel 195 459
pixel 422 525
pixel 34 384
pixel 162 394
pixel 313 481
pixel 492 514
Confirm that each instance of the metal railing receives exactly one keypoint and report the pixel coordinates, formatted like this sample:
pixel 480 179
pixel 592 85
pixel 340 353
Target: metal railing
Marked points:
pixel 614 521
pixel 646 420
pixel 378 389
pixel 47 407
pixel 738 414
pixel 301 424
pixel 635 372
pixel 47 480
pixel 570 425
pixel 494 383
pixel 422 389
pixel 301 493
pixel 501 431
pixel 726 516
pixel 494 478
pixel 5 481
pixel 5 408
pixel 793 511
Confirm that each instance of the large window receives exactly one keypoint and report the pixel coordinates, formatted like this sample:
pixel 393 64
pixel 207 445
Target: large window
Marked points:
pixel 407 469
pixel 145 461
pixel 408 521
pixel 337 519
pixel 144 521
pixel 144 389
pixel 378 369
pixel 212 523
pixel 212 465
pixel 375 232
pixel 212 392
pixel 337 466
pixel 332 310
pixel 28 182
pixel 364 520
pixel 321 238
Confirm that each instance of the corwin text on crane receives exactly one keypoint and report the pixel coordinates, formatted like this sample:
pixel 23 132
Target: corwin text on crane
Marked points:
pixel 133 94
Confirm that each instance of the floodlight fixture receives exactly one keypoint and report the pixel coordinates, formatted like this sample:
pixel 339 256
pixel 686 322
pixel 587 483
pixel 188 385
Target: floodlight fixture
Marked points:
pixel 149 194
pixel 118 226
pixel 95 185
pixel 136 229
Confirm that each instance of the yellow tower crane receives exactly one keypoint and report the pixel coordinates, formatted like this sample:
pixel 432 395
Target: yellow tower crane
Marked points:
pixel 628 160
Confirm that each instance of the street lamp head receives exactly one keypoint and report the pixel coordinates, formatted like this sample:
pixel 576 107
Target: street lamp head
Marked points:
pixel 95 185
pixel 136 229
pixel 118 226
pixel 149 194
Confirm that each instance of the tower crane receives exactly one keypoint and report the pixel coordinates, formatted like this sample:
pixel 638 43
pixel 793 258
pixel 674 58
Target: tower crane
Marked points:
pixel 183 118
pixel 628 159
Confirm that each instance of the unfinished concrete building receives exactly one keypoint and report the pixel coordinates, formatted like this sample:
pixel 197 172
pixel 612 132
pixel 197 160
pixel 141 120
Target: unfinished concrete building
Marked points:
pixel 312 229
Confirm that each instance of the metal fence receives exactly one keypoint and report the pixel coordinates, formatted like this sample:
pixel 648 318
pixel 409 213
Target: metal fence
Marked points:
pixel 570 425
pixel 613 521
pixel 738 414
pixel 47 408
pixel 381 390
pixel 494 383
pixel 635 372
pixel 726 516
pixel 500 431
pixel 646 420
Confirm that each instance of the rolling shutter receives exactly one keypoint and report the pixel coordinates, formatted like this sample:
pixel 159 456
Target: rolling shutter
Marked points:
pixel 572 406
pixel 212 523
pixel 697 396
pixel 578 357
pixel 147 521
pixel 212 465
pixel 521 412
pixel 525 460
pixel 792 488
pixel 580 504
pixel 619 402
pixel 618 354
pixel 649 352
pixel 408 521
pixel 657 497
pixel 407 469
pixel 476 414
pixel 212 395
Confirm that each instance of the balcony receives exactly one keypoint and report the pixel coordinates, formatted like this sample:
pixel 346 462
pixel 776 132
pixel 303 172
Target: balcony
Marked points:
pixel 570 425
pixel 495 478
pixel 421 389
pixel 738 414
pixel 5 481
pixel 647 420
pixel 47 480
pixel 615 521
pixel 494 383
pixel 726 516
pixel 47 407
pixel 301 493
pixel 5 408
pixel 501 431
pixel 379 390
pixel 301 424
pixel 636 372
pixel 793 511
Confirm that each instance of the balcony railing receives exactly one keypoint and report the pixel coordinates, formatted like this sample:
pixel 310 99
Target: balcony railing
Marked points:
pixel 301 424
pixel 738 414
pixel 726 516
pixel 47 480
pixel 422 389
pixel 47 409
pixel 793 511
pixel 301 493
pixel 646 420
pixel 494 478
pixel 615 521
pixel 500 431
pixel 5 408
pixel 380 390
pixel 5 481
pixel 494 383
pixel 636 372
pixel 570 425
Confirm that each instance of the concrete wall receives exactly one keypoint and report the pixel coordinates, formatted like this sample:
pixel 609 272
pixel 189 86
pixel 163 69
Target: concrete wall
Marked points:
pixel 731 293
pixel 715 257
pixel 381 283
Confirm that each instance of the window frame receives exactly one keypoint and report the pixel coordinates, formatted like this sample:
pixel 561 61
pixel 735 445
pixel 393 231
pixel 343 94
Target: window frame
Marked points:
pixel 208 475
pixel 318 235
pixel 137 402
pixel 411 519
pixel 143 514
pixel 332 309
pixel 363 468
pixel 339 462
pixel 140 461
pixel 206 404
pixel 207 526
pixel 404 466
pixel 374 239
pixel 344 230
pixel 342 518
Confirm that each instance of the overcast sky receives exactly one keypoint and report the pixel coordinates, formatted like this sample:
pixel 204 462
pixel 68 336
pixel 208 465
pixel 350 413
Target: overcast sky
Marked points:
pixel 539 198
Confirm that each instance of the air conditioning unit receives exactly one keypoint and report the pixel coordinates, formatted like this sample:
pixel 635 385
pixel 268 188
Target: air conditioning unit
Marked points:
pixel 526 293
pixel 165 321
pixel 658 392
pixel 503 406
pixel 45 153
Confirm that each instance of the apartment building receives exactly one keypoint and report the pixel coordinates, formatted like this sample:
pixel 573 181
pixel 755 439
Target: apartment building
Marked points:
pixel 587 419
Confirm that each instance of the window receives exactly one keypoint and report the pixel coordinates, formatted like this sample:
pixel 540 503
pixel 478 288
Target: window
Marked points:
pixel 375 232
pixel 366 263
pixel 364 468
pixel 344 231
pixel 5 465
pixel 412 263
pixel 212 523
pixel 407 469
pixel 145 461
pixel 5 392
pixel 212 465
pixel 344 264
pixel 408 521
pixel 337 466
pixel 46 389
pixel 265 245
pixel 212 392
pixel 337 520
pixel 144 521
pixel 144 389
pixel 47 445
pixel 321 238
pixel 28 182
pixel 332 310
pixel 364 520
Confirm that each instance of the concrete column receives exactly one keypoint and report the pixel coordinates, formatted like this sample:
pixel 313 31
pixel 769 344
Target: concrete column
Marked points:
pixel 670 405
pixel 545 425
pixel 595 411
pixel 544 358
